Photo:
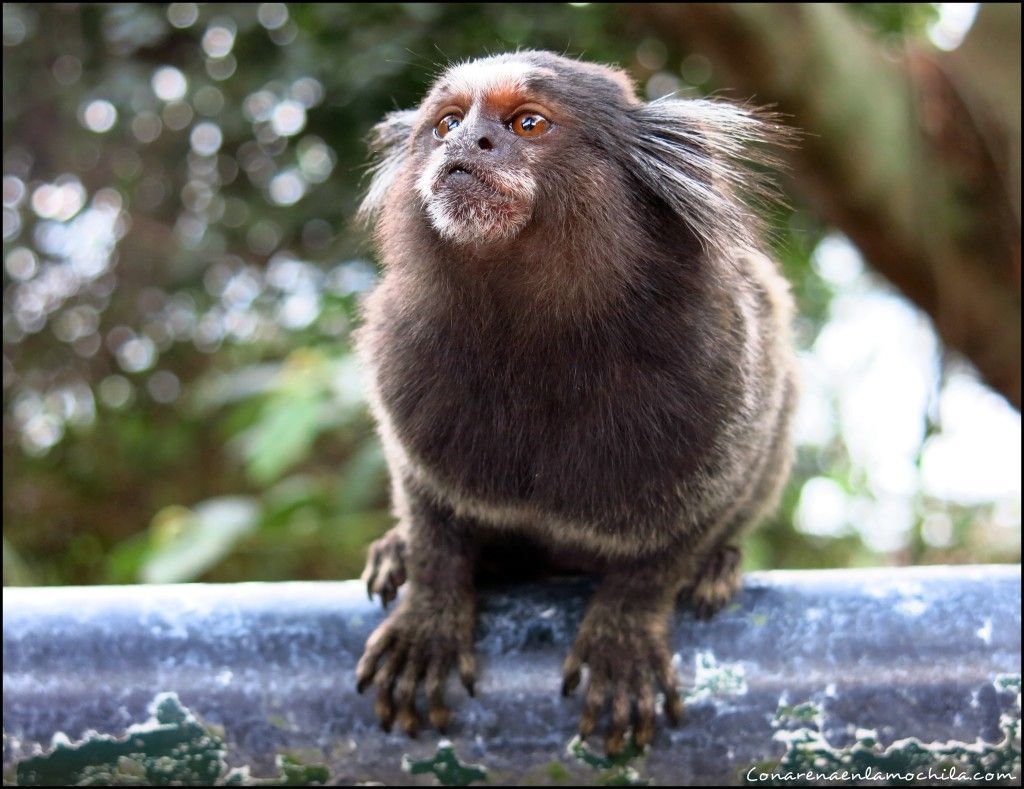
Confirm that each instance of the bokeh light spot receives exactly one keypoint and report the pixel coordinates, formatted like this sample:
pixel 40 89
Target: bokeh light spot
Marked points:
pixel 169 84
pixel 99 116
pixel 206 138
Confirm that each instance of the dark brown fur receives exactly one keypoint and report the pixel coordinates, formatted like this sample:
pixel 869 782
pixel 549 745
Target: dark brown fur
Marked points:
pixel 611 379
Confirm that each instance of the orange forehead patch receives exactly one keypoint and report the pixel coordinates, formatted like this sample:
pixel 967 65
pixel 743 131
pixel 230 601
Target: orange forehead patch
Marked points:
pixel 500 96
pixel 498 84
pixel 505 97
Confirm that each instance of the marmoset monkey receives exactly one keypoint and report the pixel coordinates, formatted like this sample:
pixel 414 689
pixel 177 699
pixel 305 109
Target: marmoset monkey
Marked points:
pixel 577 343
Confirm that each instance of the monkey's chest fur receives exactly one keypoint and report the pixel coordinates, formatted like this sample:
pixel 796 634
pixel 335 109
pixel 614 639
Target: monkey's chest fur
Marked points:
pixel 627 432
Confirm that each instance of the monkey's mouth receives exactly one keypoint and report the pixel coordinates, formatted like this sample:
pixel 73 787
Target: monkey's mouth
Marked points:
pixel 463 175
pixel 476 201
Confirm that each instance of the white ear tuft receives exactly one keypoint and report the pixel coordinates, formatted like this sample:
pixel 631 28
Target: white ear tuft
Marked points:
pixel 702 158
pixel 389 141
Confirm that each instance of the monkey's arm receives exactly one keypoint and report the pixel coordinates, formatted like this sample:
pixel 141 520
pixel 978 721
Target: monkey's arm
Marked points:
pixel 431 629
pixel 385 564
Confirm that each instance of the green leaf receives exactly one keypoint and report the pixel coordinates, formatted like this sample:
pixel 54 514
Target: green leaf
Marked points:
pixel 16 572
pixel 283 435
pixel 363 478
pixel 185 543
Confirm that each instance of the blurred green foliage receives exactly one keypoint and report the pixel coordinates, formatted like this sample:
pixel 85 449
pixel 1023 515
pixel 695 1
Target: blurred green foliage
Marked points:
pixel 182 275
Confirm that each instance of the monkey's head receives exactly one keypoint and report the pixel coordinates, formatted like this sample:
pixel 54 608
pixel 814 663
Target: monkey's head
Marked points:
pixel 510 144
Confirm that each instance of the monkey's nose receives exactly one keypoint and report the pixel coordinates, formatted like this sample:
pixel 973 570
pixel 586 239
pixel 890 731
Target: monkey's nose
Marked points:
pixel 485 144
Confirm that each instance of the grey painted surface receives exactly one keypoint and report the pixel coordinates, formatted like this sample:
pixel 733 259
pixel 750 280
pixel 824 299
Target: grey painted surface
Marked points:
pixel 908 652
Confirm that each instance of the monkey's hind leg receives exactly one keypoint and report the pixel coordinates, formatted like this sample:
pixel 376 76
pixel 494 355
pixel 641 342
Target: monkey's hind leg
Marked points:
pixel 624 641
pixel 718 580
pixel 385 565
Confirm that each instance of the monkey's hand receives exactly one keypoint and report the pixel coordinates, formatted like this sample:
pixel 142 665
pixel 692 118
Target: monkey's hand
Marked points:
pixel 385 566
pixel 718 581
pixel 628 657
pixel 420 642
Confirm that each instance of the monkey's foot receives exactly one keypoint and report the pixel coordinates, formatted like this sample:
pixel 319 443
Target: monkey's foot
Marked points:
pixel 718 581
pixel 627 662
pixel 385 566
pixel 418 643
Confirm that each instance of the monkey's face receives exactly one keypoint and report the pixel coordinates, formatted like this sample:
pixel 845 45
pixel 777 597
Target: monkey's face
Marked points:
pixel 500 144
pixel 481 143
pixel 531 141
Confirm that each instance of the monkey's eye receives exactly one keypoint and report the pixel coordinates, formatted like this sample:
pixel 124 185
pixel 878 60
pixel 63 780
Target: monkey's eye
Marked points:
pixel 530 124
pixel 447 124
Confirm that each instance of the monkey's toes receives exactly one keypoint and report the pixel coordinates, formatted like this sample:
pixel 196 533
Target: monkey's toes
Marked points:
pixel 625 685
pixel 385 567
pixel 718 582
pixel 408 653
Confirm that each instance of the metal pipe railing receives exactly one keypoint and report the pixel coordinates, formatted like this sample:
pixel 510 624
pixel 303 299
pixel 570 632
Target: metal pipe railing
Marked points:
pixel 913 668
